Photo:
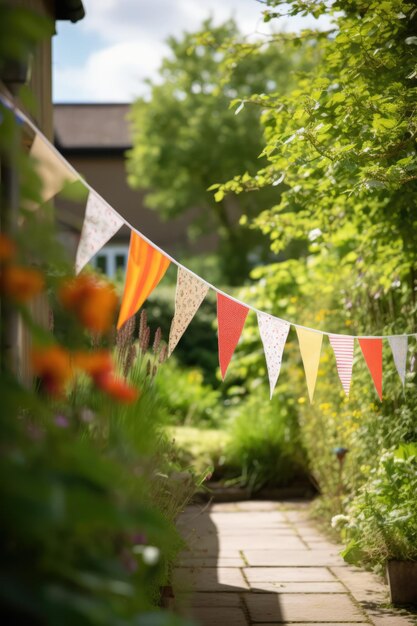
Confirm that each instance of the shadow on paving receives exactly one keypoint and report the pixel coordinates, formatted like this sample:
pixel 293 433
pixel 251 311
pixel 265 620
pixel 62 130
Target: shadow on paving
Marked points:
pixel 209 584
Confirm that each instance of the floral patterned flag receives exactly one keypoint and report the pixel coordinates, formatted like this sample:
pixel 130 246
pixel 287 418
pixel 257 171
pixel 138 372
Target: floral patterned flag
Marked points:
pixel 343 351
pixel 310 347
pixel 53 171
pixel 274 333
pixel 189 295
pixel 101 222
pixel 372 351
pixel 399 347
pixel 231 316
pixel 146 266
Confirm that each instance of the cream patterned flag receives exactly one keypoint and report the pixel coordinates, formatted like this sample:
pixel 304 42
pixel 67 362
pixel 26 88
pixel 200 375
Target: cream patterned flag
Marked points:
pixel 52 171
pixel 274 333
pixel 101 222
pixel 189 295
pixel 399 345
pixel 343 351
pixel 310 347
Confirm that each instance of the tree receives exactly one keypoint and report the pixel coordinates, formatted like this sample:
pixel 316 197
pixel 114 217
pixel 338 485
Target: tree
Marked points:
pixel 343 143
pixel 185 137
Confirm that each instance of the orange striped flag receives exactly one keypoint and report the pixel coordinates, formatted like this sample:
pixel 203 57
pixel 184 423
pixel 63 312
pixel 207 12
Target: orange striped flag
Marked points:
pixel 145 268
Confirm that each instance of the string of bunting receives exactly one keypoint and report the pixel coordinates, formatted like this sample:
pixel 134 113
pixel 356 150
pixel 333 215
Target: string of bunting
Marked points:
pixel 147 265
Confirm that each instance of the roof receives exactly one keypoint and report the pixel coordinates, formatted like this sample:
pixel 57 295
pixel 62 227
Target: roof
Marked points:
pixel 95 127
pixel 71 10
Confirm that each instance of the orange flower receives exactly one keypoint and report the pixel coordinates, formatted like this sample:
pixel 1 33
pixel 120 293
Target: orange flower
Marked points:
pixel 7 248
pixel 21 284
pixel 93 302
pixel 117 388
pixel 95 364
pixel 52 365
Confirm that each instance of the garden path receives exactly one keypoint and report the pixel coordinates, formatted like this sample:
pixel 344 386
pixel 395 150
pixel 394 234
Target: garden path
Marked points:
pixel 252 563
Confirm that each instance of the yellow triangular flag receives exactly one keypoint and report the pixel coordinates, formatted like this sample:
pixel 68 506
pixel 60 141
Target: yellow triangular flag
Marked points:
pixel 310 347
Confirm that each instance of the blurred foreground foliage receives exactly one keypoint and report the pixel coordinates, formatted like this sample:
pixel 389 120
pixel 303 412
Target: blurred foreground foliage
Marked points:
pixel 89 484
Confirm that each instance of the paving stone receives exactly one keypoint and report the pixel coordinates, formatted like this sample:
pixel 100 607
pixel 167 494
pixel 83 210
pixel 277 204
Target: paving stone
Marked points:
pixel 298 587
pixel 316 623
pixel 372 594
pixel 208 599
pixel 314 544
pixel 364 586
pixel 219 615
pixel 197 560
pixel 254 520
pixel 288 558
pixel 225 507
pixel 287 574
pixel 262 541
pixel 258 505
pixel 210 578
pixel 281 608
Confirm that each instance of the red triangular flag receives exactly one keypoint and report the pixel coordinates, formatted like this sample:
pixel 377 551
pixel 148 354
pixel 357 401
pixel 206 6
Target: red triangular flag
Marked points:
pixel 372 351
pixel 231 318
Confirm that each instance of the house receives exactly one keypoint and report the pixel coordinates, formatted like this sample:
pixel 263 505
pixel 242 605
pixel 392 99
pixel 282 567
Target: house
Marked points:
pixel 35 71
pixel 94 138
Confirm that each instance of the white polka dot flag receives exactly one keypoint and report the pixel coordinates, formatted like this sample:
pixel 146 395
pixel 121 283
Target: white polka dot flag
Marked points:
pixel 101 222
pixel 189 295
pixel 274 333
pixel 343 351
pixel 399 347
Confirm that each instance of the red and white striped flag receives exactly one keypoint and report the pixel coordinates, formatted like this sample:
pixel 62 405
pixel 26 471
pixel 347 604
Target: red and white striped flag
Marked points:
pixel 343 350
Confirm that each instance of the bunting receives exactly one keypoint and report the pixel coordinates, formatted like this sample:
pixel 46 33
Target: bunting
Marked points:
pixel 399 347
pixel 343 351
pixel 274 333
pixel 310 347
pixel 189 295
pixel 231 316
pixel 146 266
pixel 372 352
pixel 53 171
pixel 101 222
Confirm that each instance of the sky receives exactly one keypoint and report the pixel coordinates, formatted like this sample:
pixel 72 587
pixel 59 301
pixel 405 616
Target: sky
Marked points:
pixel 107 56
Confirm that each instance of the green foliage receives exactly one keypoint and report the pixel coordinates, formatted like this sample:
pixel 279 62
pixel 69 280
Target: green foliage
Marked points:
pixel 89 487
pixel 186 399
pixel 186 137
pixel 382 519
pixel 264 442
pixel 341 150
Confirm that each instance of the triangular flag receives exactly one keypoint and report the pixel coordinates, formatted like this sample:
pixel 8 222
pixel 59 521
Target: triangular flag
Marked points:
pixel 101 222
pixel 145 268
pixel 231 318
pixel 274 333
pixel 310 347
pixel 343 350
pixel 372 351
pixel 399 347
pixel 189 295
pixel 53 171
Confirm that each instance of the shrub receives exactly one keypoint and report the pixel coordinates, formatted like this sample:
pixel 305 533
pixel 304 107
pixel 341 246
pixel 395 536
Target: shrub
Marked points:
pixel 382 518
pixel 264 442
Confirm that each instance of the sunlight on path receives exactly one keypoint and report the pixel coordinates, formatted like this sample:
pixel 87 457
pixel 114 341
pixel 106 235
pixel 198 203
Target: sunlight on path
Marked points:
pixel 264 563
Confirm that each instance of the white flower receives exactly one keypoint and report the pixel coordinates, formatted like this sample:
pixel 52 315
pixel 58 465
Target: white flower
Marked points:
pixel 339 521
pixel 150 555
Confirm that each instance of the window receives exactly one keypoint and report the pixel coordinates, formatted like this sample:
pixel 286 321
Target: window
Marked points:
pixel 111 259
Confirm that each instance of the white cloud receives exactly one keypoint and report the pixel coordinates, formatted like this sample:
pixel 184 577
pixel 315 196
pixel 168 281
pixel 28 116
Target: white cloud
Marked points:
pixel 114 74
pixel 130 37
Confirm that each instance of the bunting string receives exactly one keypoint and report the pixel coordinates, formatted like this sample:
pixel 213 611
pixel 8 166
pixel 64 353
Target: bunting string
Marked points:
pixel 72 175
